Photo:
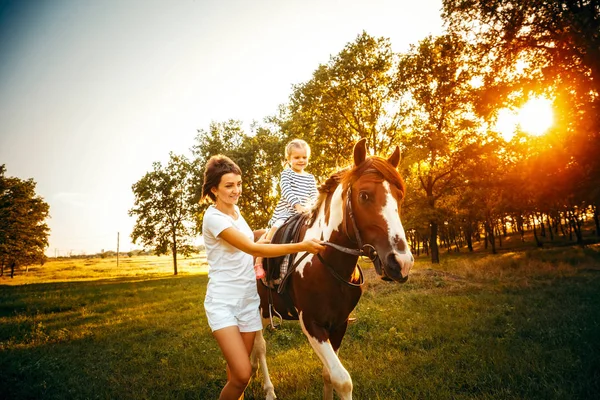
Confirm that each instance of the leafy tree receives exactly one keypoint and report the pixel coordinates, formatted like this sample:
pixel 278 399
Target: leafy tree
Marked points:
pixel 537 46
pixel 23 231
pixel 434 79
pixel 349 98
pixel 163 208
pixel 259 157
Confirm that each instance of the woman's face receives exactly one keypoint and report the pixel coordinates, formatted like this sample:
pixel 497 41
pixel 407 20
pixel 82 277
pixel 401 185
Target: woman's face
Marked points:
pixel 229 190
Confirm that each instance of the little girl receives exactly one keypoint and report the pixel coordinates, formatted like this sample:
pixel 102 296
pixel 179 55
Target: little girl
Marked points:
pixel 298 191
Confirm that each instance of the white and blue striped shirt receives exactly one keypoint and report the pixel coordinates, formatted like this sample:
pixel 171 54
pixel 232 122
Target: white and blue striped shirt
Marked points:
pixel 295 189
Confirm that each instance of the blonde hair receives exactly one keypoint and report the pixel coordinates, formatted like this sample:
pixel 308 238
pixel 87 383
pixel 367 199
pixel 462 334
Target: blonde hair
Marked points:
pixel 296 144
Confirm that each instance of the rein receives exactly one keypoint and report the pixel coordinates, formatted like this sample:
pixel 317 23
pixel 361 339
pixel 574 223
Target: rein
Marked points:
pixel 360 251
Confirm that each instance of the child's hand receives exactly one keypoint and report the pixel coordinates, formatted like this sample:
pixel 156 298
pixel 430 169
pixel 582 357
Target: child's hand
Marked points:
pixel 263 241
pixel 300 209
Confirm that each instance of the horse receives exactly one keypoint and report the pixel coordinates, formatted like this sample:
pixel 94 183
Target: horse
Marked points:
pixel 357 213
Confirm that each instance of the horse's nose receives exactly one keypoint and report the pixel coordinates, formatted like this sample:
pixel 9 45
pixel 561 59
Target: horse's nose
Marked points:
pixel 404 261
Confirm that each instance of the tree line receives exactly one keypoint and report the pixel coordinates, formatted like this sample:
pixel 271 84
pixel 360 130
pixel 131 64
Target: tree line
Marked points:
pixel 438 101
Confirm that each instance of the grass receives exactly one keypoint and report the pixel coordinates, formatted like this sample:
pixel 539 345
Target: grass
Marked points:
pixel 519 325
pixel 74 269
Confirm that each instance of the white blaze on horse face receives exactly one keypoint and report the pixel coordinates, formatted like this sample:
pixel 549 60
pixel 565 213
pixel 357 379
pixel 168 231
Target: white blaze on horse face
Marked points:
pixel 336 217
pixel 395 228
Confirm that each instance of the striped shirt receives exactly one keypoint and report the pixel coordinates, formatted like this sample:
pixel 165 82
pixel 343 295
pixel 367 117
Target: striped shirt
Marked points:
pixel 295 189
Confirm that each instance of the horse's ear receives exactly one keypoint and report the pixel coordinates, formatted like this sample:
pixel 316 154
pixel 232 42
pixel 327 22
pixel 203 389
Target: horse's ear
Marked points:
pixel 395 157
pixel 360 151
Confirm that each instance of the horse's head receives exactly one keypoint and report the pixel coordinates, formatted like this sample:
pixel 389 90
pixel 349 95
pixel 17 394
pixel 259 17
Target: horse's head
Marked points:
pixel 376 191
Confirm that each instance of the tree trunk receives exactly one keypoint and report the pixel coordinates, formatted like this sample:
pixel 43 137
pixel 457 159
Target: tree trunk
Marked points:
pixel 537 240
pixel 435 253
pixel 174 249
pixel 12 269
pixel 576 224
pixel 489 229
pixel 550 227
pixel 597 220
pixel 561 225
pixel 499 235
pixel 469 235
pixel 485 236
pixel 520 226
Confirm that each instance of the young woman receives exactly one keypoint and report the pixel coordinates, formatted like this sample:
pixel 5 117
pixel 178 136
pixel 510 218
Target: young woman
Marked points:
pixel 298 191
pixel 232 301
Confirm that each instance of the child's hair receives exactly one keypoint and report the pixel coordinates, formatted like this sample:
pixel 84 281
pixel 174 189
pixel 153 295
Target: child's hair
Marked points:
pixel 296 144
pixel 216 167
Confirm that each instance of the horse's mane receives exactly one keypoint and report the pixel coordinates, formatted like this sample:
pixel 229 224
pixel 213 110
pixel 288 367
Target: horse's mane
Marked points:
pixel 349 175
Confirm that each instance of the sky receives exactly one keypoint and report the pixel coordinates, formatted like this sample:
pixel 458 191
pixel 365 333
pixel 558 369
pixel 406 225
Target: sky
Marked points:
pixel 92 92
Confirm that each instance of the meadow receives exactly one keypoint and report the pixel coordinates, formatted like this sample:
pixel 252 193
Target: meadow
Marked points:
pixel 517 325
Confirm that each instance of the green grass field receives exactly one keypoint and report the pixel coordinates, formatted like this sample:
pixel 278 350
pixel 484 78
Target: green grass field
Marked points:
pixel 519 325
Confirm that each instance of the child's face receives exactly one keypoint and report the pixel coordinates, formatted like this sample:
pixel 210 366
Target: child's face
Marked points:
pixel 298 159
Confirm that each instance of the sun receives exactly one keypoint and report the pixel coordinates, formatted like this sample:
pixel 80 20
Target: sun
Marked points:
pixel 535 118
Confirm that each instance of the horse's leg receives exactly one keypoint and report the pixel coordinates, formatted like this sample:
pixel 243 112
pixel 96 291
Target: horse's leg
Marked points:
pixel 339 378
pixel 335 338
pixel 327 385
pixel 259 355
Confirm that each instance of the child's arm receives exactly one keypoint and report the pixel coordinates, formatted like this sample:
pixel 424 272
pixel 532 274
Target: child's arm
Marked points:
pixel 287 190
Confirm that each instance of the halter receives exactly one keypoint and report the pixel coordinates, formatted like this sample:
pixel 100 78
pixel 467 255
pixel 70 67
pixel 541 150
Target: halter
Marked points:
pixel 360 251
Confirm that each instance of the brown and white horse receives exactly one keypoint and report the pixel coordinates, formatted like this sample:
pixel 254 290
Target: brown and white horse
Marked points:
pixel 358 212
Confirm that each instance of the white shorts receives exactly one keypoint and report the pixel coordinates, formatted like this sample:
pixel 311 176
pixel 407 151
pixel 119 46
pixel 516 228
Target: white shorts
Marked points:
pixel 242 313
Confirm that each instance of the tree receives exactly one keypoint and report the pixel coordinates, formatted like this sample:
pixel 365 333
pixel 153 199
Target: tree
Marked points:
pixel 434 79
pixel 259 156
pixel 536 47
pixel 349 98
pixel 164 208
pixel 23 231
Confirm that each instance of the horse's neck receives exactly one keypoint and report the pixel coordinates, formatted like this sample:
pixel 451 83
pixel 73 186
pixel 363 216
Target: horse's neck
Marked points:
pixel 329 223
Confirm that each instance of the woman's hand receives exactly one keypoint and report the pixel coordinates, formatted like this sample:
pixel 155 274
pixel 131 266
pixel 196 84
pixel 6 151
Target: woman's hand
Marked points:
pixel 313 246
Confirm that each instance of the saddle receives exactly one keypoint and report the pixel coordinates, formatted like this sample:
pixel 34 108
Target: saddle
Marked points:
pixel 277 269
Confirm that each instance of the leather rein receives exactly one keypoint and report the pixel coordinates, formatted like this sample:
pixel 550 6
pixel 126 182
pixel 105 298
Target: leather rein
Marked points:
pixel 361 250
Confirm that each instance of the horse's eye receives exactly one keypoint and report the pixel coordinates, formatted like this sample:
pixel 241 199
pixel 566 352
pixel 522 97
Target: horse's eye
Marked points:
pixel 363 197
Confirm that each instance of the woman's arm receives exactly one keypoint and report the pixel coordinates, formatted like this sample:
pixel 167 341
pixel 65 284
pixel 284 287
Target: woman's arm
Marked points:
pixel 238 240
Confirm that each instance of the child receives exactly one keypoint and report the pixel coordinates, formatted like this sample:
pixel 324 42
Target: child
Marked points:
pixel 298 191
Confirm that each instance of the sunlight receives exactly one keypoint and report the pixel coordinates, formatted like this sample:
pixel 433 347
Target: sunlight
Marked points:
pixel 535 118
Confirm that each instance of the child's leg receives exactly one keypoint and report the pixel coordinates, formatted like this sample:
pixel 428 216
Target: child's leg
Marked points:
pixel 258 267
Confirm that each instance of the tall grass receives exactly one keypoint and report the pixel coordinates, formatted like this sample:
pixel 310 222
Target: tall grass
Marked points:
pixel 520 325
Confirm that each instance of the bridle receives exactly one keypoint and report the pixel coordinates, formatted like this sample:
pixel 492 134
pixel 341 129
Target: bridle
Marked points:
pixel 363 249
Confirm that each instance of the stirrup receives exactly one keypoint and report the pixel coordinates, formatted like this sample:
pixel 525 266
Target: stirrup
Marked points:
pixel 272 323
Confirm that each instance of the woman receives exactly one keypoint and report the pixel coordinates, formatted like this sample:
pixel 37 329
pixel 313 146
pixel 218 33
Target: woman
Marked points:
pixel 232 302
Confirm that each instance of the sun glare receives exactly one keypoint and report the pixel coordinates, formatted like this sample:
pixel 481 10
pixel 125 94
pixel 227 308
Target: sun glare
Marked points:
pixel 535 118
